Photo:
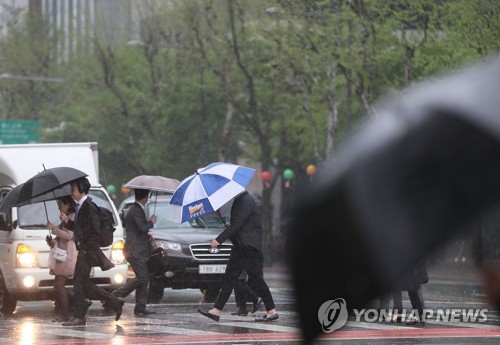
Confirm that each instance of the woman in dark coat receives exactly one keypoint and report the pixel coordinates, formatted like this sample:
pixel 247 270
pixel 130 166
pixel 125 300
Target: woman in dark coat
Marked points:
pixel 412 283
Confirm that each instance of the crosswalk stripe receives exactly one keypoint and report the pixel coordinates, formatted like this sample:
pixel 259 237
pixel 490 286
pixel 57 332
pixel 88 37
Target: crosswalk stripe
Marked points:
pixel 382 326
pixel 271 326
pixel 127 320
pixel 74 333
pixel 170 329
pixel 460 324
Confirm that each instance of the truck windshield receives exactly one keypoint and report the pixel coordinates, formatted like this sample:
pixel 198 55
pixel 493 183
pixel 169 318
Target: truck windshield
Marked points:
pixel 34 216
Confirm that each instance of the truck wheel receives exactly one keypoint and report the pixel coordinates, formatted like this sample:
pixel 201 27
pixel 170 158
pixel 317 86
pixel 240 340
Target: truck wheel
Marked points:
pixel 7 301
pixel 156 288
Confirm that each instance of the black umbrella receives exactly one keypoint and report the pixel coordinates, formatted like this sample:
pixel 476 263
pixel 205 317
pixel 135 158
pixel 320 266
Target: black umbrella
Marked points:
pixel 12 199
pixel 48 181
pixel 414 176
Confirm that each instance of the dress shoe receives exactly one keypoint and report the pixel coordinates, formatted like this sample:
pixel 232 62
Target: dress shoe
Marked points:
pixel 207 314
pixel 119 308
pixel 240 312
pixel 414 320
pixel 264 318
pixel 396 318
pixel 75 322
pixel 256 305
pixel 143 312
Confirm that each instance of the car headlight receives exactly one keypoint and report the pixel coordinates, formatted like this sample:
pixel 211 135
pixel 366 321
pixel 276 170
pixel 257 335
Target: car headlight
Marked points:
pixel 117 254
pixel 26 256
pixel 170 246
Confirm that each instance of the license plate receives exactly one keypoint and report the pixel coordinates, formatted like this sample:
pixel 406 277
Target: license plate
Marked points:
pixel 212 269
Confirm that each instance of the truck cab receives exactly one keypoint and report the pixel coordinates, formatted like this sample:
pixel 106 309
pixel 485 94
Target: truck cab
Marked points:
pixel 24 272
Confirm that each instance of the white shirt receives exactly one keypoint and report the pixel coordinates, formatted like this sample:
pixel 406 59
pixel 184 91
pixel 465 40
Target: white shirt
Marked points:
pixel 79 203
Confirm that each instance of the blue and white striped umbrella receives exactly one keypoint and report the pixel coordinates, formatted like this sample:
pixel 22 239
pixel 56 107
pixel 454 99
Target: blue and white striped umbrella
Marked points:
pixel 207 190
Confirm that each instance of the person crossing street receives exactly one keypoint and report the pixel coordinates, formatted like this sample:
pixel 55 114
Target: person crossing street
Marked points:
pixel 246 254
pixel 137 252
pixel 86 236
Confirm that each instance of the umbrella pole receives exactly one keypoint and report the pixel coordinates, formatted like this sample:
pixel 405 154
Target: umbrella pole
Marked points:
pixel 156 198
pixel 46 214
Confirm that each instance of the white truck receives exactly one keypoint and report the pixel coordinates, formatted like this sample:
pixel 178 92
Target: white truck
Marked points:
pixel 24 272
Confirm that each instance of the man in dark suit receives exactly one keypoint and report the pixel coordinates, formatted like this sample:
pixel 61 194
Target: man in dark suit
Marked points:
pixel 86 235
pixel 247 231
pixel 137 252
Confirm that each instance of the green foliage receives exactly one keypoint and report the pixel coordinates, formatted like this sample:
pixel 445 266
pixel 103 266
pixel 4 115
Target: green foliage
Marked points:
pixel 288 68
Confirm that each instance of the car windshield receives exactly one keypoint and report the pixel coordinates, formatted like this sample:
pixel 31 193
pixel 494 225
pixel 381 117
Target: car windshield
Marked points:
pixel 159 208
pixel 34 216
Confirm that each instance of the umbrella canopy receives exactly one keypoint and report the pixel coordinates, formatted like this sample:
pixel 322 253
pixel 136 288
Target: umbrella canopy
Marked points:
pixel 207 190
pixel 47 181
pixel 153 183
pixel 12 199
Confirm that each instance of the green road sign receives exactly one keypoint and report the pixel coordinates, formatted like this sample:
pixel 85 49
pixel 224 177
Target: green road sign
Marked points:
pixel 19 132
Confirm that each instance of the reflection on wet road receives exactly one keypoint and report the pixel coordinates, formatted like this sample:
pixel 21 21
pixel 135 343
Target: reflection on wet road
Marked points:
pixel 177 322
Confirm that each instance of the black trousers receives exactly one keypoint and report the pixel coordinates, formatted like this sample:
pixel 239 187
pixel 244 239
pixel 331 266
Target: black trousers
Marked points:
pixel 251 260
pixel 83 287
pixel 139 283
pixel 415 296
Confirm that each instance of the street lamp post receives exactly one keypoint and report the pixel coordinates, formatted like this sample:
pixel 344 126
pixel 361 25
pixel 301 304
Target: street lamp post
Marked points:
pixel 20 77
pixel 38 78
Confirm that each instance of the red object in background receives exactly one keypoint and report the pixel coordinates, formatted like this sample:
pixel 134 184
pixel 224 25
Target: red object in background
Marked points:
pixel 266 176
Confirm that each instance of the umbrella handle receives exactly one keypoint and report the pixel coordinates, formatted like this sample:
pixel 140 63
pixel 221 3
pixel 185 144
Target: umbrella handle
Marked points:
pixel 222 218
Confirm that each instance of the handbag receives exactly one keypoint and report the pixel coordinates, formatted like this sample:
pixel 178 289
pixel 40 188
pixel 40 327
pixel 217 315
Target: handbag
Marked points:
pixel 60 254
pixel 157 261
pixel 151 245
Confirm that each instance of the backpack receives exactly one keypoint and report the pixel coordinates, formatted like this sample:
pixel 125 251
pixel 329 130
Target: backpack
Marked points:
pixel 107 226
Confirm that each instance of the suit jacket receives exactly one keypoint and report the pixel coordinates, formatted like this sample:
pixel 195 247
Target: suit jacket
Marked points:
pixel 137 226
pixel 246 222
pixel 87 229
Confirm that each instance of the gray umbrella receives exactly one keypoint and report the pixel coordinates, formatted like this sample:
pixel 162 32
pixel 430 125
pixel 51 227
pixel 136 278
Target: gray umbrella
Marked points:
pixel 153 183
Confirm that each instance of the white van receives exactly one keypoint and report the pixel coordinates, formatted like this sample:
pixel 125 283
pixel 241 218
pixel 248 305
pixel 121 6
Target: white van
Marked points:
pixel 24 273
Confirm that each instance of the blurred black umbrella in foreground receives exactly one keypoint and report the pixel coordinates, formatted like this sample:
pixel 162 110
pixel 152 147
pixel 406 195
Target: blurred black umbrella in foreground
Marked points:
pixel 426 166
